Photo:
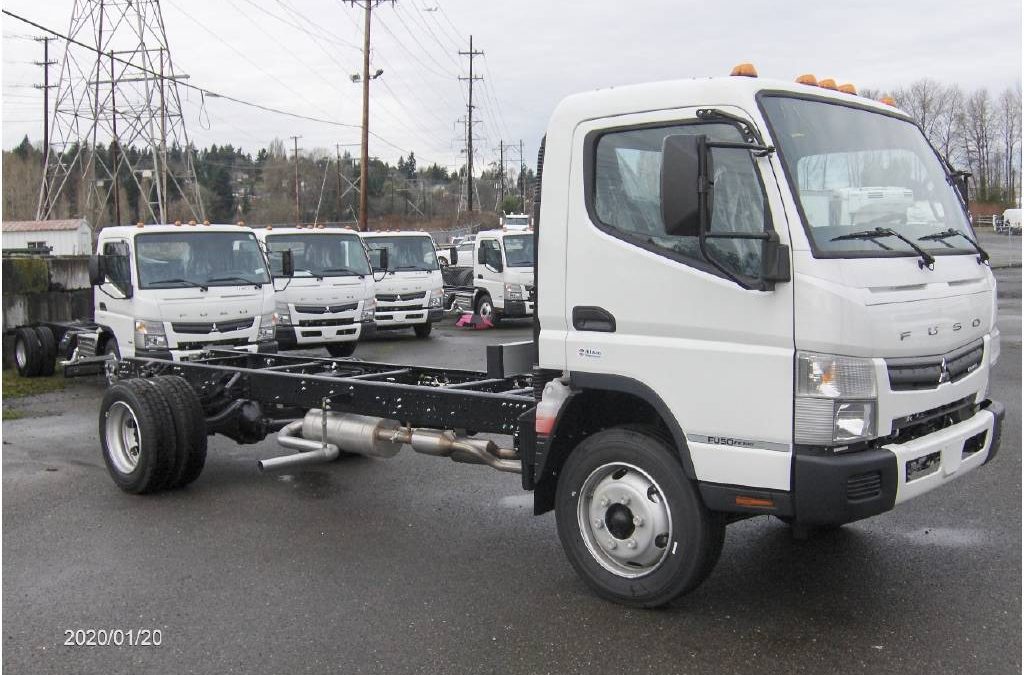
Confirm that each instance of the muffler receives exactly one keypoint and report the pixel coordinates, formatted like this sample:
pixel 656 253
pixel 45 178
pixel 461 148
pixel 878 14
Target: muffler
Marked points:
pixel 321 438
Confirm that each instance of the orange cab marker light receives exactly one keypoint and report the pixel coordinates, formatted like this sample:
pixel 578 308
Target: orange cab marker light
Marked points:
pixel 139 224
pixel 744 70
pixel 177 223
pixel 241 223
pixel 848 89
pixel 807 79
pixel 191 222
pixel 828 83
pixel 757 502
pixel 888 100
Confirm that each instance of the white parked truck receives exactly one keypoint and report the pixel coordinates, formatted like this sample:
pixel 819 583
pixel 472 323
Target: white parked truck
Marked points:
pixel 410 293
pixel 165 292
pixel 493 276
pixel 706 347
pixel 329 298
pixel 515 222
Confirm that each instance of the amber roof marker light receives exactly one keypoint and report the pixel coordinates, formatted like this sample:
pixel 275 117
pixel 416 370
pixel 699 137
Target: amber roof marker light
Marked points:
pixel 744 70
pixel 828 83
pixel 848 89
pixel 808 79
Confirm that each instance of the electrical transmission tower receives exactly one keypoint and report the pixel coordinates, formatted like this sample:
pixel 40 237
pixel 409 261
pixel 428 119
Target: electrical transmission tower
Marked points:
pixel 472 54
pixel 117 122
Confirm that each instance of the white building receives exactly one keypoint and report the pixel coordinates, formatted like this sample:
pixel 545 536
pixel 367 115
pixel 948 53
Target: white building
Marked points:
pixel 63 237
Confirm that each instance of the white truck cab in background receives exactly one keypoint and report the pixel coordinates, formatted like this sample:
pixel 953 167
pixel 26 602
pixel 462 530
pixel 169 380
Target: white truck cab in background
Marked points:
pixel 168 291
pixel 515 222
pixel 410 293
pixel 502 264
pixel 329 299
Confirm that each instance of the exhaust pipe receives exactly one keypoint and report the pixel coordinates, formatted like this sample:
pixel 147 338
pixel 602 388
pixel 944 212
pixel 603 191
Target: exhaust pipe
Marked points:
pixel 321 438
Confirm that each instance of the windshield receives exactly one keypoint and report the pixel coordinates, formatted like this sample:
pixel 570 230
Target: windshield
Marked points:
pixel 406 253
pixel 319 255
pixel 196 258
pixel 519 250
pixel 854 170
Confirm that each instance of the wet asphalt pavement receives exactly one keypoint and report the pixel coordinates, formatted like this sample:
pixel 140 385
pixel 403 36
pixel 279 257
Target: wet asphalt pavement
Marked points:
pixel 420 564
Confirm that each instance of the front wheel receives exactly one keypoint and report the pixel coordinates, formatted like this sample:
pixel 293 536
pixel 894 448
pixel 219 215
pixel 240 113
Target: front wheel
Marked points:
pixel 630 521
pixel 341 349
pixel 485 308
pixel 423 330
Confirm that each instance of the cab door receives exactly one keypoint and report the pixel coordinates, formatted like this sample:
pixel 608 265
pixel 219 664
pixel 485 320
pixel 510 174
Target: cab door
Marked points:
pixel 490 270
pixel 649 308
pixel 113 298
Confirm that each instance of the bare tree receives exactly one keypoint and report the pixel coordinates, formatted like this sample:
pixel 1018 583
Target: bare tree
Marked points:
pixel 978 127
pixel 1009 116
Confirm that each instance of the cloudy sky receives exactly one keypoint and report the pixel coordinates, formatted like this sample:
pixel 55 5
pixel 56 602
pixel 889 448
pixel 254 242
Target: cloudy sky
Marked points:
pixel 297 55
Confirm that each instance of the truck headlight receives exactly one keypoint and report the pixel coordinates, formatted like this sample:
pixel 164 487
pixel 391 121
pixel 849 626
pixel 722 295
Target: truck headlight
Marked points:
pixel 835 399
pixel 268 322
pixel 284 315
pixel 369 309
pixel 436 297
pixel 150 334
pixel 513 291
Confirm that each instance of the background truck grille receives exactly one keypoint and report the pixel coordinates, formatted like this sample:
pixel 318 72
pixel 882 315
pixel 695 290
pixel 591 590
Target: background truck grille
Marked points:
pixel 322 309
pixel 401 297
pixel 927 372
pixel 222 326
pixel 230 342
pixel 313 323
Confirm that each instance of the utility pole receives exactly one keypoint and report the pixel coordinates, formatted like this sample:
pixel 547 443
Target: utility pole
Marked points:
pixel 469 134
pixel 295 140
pixel 522 179
pixel 501 171
pixel 115 145
pixel 45 63
pixel 364 161
pixel 337 157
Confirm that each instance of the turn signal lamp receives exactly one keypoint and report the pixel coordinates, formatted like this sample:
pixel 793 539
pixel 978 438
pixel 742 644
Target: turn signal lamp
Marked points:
pixel 828 83
pixel 744 70
pixel 807 79
pixel 848 89
pixel 757 502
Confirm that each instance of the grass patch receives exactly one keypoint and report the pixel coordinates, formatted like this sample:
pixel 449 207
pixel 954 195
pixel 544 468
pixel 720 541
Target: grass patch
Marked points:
pixel 12 414
pixel 20 387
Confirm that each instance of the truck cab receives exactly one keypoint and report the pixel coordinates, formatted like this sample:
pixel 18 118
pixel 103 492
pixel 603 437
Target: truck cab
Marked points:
pixel 409 287
pixel 329 298
pixel 502 264
pixel 796 338
pixel 515 222
pixel 169 291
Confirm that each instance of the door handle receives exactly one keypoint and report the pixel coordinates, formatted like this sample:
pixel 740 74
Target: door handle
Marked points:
pixel 479 276
pixel 594 319
pixel 103 306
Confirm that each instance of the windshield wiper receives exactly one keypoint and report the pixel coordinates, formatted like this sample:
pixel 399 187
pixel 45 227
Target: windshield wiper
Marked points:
pixel 410 267
pixel 926 258
pixel 983 256
pixel 346 270
pixel 245 282
pixel 187 282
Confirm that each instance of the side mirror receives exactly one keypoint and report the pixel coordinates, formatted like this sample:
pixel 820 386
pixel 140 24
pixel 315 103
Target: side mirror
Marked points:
pixel 381 254
pixel 287 263
pixel 685 166
pixel 775 265
pixel 481 256
pixel 453 256
pixel 96 273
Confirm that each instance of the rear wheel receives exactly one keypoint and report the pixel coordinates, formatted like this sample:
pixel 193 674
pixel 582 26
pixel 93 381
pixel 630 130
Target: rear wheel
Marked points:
pixel 189 426
pixel 28 354
pixel 630 521
pixel 423 330
pixel 49 350
pixel 341 349
pixel 138 437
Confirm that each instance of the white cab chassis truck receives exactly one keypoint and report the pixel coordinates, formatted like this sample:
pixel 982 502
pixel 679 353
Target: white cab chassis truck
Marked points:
pixel 706 347
pixel 410 291
pixel 161 291
pixel 493 276
pixel 329 298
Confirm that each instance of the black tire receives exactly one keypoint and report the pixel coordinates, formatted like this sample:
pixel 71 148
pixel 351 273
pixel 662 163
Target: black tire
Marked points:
pixel 422 330
pixel 485 308
pixel 49 347
pixel 28 352
pixel 110 348
pixel 190 427
pixel 341 349
pixel 689 553
pixel 154 430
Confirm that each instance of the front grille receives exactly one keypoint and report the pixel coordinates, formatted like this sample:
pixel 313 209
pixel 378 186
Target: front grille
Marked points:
pixel 920 424
pixel 230 342
pixel 928 372
pixel 401 297
pixel 314 323
pixel 200 328
pixel 864 485
pixel 398 308
pixel 325 309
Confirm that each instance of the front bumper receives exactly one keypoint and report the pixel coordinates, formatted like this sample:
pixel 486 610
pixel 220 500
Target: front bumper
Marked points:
pixel 296 337
pixel 517 308
pixel 407 316
pixel 265 347
pixel 836 489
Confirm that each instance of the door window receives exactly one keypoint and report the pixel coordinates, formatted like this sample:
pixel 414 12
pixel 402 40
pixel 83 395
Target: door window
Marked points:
pixel 117 264
pixel 492 253
pixel 626 199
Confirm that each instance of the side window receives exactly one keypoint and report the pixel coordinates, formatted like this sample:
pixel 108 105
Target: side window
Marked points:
pixel 627 195
pixel 117 263
pixel 492 253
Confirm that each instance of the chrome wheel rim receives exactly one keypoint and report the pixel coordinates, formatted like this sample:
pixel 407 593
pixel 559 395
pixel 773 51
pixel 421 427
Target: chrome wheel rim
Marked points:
pixel 20 353
pixel 124 444
pixel 625 520
pixel 486 308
